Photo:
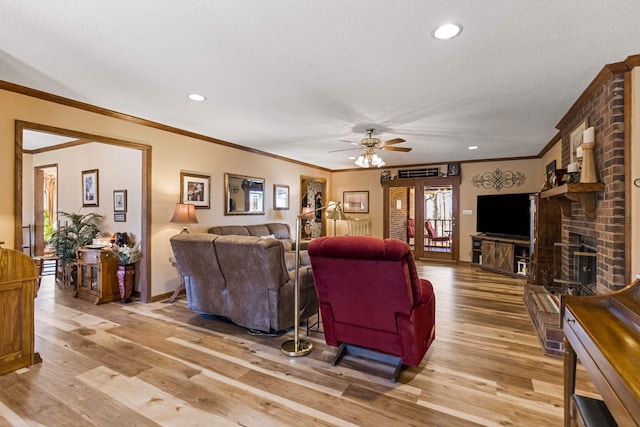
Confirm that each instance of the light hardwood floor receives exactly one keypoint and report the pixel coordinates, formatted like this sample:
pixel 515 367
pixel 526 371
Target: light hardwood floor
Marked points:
pixel 159 364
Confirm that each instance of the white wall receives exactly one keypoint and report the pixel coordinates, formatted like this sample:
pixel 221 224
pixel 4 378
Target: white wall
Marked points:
pixel 555 153
pixel 360 180
pixel 118 169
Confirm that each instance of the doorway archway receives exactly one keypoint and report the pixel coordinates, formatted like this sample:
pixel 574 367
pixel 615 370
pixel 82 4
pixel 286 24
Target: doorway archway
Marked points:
pixel 408 207
pixel 83 138
pixel 313 195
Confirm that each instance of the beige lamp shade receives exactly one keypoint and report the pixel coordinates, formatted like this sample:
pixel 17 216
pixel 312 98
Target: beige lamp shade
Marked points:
pixel 306 213
pixel 184 214
pixel 337 214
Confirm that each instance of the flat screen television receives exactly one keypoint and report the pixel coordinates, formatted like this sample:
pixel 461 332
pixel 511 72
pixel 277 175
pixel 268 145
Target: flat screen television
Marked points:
pixel 505 215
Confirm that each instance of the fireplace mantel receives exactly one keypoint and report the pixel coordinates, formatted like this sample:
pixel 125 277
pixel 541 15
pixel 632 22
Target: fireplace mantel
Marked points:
pixel 583 193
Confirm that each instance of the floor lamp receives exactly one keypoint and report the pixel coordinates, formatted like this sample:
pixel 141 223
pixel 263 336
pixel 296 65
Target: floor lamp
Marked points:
pixel 296 346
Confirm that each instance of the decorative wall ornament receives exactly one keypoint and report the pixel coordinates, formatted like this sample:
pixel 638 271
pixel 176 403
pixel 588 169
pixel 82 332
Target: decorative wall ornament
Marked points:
pixel 498 179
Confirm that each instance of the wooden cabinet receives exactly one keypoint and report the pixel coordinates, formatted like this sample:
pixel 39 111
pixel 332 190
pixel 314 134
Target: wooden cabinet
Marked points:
pixel 97 275
pixel 18 288
pixel 501 255
pixel 498 255
pixel 546 230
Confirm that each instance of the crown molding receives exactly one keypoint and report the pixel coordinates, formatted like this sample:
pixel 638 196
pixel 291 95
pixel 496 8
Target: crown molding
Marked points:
pixel 34 93
pixel 605 74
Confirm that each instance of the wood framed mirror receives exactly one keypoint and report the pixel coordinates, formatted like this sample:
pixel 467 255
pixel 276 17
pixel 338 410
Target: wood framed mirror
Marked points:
pixel 244 195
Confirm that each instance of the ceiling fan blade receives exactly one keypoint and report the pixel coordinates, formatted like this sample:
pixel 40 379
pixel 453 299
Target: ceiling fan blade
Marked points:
pixel 393 141
pixel 344 149
pixel 404 149
pixel 350 142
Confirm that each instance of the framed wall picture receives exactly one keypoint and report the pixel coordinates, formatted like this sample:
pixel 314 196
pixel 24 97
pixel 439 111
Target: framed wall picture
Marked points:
pixel 551 167
pixel 119 217
pixel 195 190
pixel 453 169
pixel 119 200
pixel 90 192
pixel 280 197
pixel 575 140
pixel 355 201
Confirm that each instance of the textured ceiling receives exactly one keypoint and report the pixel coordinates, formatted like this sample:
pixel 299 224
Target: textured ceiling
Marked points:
pixel 294 78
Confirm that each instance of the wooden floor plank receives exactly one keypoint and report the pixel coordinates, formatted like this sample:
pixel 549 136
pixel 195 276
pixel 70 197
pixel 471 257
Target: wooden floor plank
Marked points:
pixel 58 377
pixel 155 404
pixel 228 400
pixel 160 364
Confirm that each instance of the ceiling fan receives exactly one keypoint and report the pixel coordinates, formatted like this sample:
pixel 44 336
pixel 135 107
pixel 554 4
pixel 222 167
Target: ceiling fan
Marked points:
pixel 370 144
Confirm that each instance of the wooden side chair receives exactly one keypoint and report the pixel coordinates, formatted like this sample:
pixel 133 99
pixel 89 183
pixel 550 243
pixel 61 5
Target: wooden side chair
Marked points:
pixel 433 239
pixel 359 226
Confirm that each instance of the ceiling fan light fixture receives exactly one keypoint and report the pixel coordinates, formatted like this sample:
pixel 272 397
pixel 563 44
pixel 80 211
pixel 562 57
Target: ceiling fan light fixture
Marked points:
pixel 368 158
pixel 362 161
pixel 447 31
pixel 377 161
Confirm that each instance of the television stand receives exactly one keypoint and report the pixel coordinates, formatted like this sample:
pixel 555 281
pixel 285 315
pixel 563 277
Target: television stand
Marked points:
pixel 509 256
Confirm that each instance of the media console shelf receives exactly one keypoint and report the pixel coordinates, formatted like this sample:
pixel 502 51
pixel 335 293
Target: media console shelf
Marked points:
pixel 583 193
pixel 501 255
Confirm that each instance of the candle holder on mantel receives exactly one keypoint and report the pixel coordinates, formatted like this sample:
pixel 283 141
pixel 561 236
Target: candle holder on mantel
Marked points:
pixel 588 173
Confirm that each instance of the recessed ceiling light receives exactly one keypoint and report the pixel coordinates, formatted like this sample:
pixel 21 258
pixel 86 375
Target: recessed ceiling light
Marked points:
pixel 196 97
pixel 473 147
pixel 352 157
pixel 447 31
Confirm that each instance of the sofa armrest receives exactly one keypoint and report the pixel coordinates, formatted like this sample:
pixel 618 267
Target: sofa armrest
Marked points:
pixel 290 259
pixel 304 258
pixel 304 245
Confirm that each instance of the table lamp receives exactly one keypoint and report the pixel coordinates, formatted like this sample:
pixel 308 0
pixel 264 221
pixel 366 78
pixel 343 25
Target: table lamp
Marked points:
pixel 184 214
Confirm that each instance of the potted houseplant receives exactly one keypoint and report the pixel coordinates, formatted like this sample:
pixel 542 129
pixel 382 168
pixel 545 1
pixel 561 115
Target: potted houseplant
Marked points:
pixel 127 256
pixel 79 230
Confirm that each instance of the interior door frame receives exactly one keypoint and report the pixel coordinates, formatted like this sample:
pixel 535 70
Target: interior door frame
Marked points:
pixel 145 238
pixel 419 185
pixel 38 207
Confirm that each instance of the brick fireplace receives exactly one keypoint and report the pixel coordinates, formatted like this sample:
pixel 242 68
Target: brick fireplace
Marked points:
pixel 590 256
pixel 602 105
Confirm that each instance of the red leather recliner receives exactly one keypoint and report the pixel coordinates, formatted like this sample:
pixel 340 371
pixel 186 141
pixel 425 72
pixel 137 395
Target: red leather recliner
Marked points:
pixel 370 297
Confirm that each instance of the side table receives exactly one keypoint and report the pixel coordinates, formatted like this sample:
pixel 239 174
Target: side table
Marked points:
pixel 97 279
pixel 181 287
